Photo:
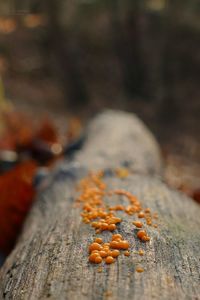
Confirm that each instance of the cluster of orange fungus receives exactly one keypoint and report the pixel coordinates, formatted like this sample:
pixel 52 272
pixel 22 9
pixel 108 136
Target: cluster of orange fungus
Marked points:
pixel 95 212
pixel 107 252
pixel 102 217
pixel 135 207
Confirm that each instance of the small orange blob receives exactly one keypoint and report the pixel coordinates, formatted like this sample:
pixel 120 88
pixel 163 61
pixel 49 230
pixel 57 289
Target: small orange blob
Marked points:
pixel 127 253
pixel 109 253
pixel 114 244
pixel 98 240
pixel 146 238
pixel 148 221
pixel 99 270
pixel 122 172
pixel 141 215
pixel 109 260
pixel 112 227
pixel 116 236
pixel 103 253
pixel 114 220
pixel 95 246
pixel 124 244
pixel 93 256
pixel 141 252
pixel 138 224
pixel 155 216
pixel 94 251
pixel 141 234
pixel 139 270
pixel 108 294
pixel 104 226
pixel 115 253
pixel 106 249
pixel 98 260
pixel 95 224
pixel 119 207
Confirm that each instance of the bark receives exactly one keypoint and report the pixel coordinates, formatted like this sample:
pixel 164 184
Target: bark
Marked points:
pixel 50 260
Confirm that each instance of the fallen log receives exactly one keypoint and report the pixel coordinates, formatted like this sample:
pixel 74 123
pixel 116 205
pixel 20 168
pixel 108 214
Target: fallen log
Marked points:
pixel 50 260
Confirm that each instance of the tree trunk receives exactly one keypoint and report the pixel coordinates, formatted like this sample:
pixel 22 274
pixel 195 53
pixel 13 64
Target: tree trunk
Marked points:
pixel 50 260
pixel 66 59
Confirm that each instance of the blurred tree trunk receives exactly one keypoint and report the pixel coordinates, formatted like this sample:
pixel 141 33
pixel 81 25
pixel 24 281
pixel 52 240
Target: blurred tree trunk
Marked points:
pixel 139 45
pixel 126 44
pixel 168 106
pixel 66 60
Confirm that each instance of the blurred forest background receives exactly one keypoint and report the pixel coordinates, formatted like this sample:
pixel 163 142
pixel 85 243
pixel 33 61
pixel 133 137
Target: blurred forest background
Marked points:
pixel 75 57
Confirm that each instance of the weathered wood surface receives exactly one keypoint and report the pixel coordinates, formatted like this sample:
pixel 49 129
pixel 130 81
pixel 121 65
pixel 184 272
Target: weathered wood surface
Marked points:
pixel 50 260
pixel 120 139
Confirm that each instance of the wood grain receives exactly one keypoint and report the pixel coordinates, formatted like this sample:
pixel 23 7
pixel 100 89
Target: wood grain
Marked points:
pixel 50 260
